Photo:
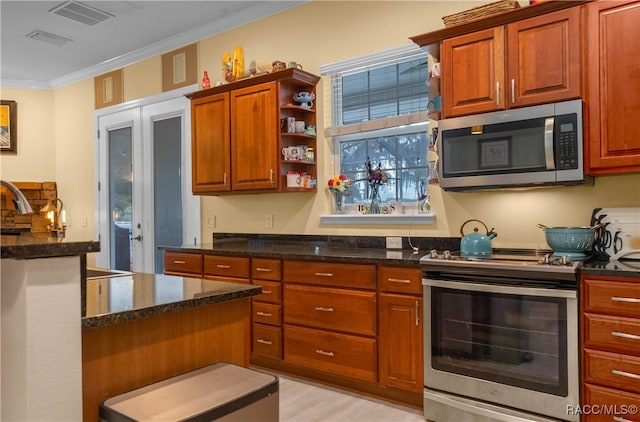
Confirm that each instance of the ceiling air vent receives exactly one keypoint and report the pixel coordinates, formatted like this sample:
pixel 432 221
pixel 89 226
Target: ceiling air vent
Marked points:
pixel 80 12
pixel 48 38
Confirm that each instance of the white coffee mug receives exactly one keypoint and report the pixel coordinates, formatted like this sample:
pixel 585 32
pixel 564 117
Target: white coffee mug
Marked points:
pixel 294 180
pixel 435 70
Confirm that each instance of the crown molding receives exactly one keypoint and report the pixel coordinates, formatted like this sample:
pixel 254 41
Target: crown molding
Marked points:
pixel 243 17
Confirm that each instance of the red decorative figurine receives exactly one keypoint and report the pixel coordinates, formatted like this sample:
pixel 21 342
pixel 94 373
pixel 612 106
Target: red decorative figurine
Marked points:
pixel 205 81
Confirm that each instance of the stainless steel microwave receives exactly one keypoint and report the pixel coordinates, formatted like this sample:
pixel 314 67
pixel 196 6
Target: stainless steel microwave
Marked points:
pixel 531 146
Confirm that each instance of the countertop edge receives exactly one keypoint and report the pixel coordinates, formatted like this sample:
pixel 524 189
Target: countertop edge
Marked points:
pixel 16 247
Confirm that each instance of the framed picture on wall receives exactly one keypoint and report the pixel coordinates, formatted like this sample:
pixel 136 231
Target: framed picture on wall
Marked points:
pixel 8 126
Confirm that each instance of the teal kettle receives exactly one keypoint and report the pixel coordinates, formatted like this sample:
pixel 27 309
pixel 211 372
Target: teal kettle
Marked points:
pixel 476 244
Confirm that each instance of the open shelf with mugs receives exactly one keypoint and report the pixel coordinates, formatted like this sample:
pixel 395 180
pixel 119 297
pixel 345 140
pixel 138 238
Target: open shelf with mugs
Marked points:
pixel 298 170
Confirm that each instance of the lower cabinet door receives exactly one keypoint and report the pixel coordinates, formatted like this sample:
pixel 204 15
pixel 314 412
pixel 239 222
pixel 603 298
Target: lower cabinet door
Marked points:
pixel 267 341
pixel 612 369
pixel 339 354
pixel 400 342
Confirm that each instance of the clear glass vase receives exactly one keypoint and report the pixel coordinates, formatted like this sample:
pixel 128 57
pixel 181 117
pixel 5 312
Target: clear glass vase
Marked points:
pixel 338 202
pixel 374 206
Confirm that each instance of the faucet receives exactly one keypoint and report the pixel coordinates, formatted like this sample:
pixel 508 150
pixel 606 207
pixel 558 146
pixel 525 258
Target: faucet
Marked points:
pixel 21 203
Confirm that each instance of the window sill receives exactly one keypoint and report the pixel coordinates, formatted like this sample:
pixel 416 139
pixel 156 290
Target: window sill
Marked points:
pixel 377 219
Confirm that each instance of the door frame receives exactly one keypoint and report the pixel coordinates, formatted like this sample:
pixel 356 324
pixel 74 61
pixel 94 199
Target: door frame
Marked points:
pixel 190 204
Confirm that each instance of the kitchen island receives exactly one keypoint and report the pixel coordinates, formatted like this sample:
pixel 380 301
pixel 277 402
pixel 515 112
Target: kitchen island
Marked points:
pixel 143 328
pixel 41 344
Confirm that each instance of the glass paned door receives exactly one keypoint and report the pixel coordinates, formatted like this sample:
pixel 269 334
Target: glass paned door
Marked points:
pixel 144 195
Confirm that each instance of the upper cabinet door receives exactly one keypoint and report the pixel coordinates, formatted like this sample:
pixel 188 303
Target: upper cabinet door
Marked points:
pixel 254 131
pixel 612 78
pixel 210 144
pixel 544 58
pixel 473 72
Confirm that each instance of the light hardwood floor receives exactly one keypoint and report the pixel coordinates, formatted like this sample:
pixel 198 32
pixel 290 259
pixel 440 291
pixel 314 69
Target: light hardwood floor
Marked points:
pixel 302 401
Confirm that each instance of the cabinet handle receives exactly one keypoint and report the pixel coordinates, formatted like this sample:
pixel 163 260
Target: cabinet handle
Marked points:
pixel 179 262
pixel 322 352
pixel 498 93
pixel 263 341
pixel 619 419
pixel 271 176
pixel 513 91
pixel 625 374
pixel 324 274
pixel 625 335
pixel 625 299
pixel 399 280
pixel 264 270
pixel 323 309
pixel 223 266
pixel 417 313
pixel 264 314
pixel 266 292
pixel 224 178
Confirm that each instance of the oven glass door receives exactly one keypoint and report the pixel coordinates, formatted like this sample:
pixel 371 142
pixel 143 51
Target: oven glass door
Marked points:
pixel 512 339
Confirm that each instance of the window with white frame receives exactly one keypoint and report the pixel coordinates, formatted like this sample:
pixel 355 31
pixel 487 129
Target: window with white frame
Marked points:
pixel 379 105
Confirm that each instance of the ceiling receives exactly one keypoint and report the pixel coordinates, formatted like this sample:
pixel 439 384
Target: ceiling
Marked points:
pixel 131 31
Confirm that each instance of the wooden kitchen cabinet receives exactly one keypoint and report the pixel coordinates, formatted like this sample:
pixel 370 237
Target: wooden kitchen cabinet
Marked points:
pixel 237 135
pixel 400 353
pixel 612 84
pixel 331 330
pixel 527 62
pixel 611 344
pixel 267 309
pixel 183 264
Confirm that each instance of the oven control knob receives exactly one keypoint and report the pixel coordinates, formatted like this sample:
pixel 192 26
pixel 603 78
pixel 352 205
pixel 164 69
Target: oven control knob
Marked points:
pixel 565 260
pixel 446 254
pixel 433 254
pixel 547 259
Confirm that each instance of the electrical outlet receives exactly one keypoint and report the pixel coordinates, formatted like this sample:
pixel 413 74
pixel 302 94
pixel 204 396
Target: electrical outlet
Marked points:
pixel 394 242
pixel 268 221
pixel 211 221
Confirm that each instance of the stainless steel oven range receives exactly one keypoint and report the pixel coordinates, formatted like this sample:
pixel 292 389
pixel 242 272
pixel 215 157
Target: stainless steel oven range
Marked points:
pixel 501 337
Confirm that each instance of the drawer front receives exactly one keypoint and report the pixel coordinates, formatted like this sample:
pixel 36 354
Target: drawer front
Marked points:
pixel 606 398
pixel 267 313
pixel 612 334
pixel 266 269
pixel 226 266
pixel 338 354
pixel 175 262
pixel 267 341
pixel 330 274
pixel 612 370
pixel 400 280
pixel 325 307
pixel 271 291
pixel 612 297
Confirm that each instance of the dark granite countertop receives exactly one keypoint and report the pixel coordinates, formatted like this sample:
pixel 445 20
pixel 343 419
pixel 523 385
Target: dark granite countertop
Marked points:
pixel 622 268
pixel 25 247
pixel 112 300
pixel 362 250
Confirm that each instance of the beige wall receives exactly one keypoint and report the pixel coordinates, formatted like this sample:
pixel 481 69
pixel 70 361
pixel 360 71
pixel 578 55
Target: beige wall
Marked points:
pixel 59 126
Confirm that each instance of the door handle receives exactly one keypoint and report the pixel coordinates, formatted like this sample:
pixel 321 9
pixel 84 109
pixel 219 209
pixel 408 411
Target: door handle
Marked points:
pixel 138 238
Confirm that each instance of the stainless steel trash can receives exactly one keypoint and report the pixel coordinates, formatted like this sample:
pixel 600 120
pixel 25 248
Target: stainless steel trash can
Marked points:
pixel 220 392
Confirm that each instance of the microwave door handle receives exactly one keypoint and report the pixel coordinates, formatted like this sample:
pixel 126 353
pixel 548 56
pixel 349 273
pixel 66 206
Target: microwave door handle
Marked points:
pixel 548 143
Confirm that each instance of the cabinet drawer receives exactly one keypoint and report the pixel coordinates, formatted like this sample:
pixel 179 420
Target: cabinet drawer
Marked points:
pixel 613 334
pixel 612 297
pixel 325 307
pixel 267 341
pixel 266 269
pixel 621 401
pixel 226 266
pixel 267 313
pixel 175 262
pixel 339 354
pixel 330 274
pixel 271 291
pixel 400 280
pixel 612 370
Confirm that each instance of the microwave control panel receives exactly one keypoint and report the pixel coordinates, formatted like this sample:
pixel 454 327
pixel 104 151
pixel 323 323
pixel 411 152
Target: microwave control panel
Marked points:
pixel 566 132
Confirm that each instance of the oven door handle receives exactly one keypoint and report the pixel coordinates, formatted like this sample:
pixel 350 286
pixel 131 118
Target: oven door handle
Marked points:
pixel 495 288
